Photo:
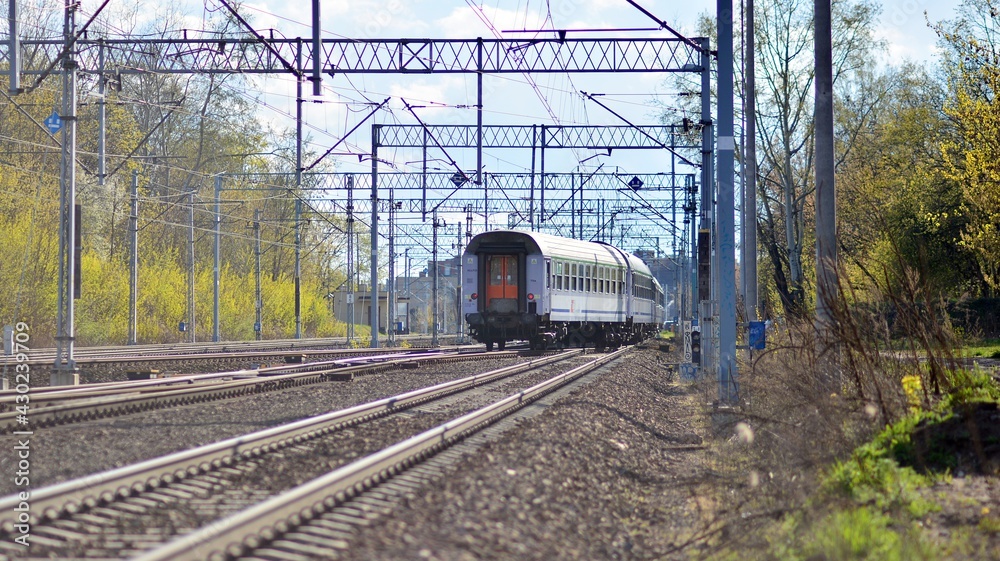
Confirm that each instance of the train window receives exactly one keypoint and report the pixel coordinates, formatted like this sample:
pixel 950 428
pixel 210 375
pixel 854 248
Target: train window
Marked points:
pixel 512 271
pixel 572 275
pixel 586 278
pixel 548 274
pixel 496 271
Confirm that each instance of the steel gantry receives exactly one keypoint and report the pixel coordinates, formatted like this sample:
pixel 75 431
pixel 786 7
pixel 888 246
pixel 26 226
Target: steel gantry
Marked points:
pixel 254 54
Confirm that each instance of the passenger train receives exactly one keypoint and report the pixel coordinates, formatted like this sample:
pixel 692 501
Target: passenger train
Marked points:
pixel 550 290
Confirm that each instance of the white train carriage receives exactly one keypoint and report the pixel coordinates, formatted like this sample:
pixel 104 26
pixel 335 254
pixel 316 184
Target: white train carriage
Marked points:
pixel 547 289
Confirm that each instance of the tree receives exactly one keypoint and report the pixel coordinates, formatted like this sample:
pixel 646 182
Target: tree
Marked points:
pixel 785 125
pixel 899 211
pixel 972 158
pixel 785 68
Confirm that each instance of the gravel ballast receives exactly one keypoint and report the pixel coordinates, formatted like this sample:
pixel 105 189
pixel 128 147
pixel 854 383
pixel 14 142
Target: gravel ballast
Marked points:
pixel 612 471
pixel 70 451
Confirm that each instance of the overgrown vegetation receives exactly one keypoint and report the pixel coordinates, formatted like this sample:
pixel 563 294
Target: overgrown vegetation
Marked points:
pixel 182 133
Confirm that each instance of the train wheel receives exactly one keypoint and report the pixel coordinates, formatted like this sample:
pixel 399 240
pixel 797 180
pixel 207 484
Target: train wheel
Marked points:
pixel 489 345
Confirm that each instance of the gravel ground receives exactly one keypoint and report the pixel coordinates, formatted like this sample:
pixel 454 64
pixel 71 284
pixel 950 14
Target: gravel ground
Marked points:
pixel 66 452
pixel 278 472
pixel 613 471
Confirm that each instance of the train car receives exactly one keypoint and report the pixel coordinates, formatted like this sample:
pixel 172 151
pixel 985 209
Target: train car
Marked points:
pixel 550 290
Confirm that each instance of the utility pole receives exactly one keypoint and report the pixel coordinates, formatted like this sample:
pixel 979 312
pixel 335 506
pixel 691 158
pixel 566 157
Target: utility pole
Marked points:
pixel 459 320
pixel 191 318
pixel 65 370
pixel 133 278
pixel 298 178
pixel 750 202
pixel 373 264
pixel 216 251
pixel 258 326
pixel 14 52
pixel 406 285
pixel 703 242
pixel 434 281
pixel 726 227
pixel 826 194
pixel 101 113
pixel 390 298
pixel 531 196
pixel 479 135
pixel 351 263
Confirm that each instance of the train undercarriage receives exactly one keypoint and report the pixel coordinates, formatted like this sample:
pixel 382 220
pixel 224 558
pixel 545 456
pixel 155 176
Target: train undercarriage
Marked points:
pixel 495 330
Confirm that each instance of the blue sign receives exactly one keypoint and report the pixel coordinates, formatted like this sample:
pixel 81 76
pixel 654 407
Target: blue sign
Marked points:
pixel 635 183
pixel 53 122
pixel 256 326
pixel 757 336
pixel 459 179
pixel 182 327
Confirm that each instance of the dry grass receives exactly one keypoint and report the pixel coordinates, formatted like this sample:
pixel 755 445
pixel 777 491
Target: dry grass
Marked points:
pixel 812 398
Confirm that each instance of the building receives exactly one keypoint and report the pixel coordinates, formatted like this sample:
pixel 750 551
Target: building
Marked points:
pixel 419 291
pixel 363 308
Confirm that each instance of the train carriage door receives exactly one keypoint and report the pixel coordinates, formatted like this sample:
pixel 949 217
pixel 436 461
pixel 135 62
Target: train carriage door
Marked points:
pixel 501 287
pixel 537 271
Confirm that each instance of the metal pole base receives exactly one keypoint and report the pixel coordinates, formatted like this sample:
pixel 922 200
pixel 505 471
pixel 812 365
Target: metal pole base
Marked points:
pixel 65 377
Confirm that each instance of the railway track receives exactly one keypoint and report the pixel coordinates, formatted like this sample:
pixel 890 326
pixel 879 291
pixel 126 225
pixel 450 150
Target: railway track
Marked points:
pixel 130 509
pixel 142 354
pixel 61 405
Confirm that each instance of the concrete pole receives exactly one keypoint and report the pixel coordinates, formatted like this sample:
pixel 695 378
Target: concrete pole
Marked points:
pixel 703 242
pixel 541 180
pixel 460 321
pixel 727 368
pixel 531 197
pixel 191 279
pixel 479 134
pixel 423 180
pixel 374 234
pixel 351 261
pixel 826 193
pixel 101 114
pixel 434 280
pixel 298 189
pixel 133 278
pixel 750 203
pixel 317 58
pixel 65 370
pixel 14 48
pixel 258 301
pixel 216 255
pixel 390 301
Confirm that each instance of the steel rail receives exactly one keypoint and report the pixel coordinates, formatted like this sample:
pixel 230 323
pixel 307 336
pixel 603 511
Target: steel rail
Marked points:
pixel 148 353
pixel 53 502
pixel 99 407
pixel 55 393
pixel 250 529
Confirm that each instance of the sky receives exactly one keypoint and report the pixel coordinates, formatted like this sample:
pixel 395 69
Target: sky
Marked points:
pixel 509 99
pixel 902 26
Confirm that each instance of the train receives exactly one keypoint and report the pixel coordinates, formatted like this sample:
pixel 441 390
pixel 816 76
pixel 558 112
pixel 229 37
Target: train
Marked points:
pixel 554 291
